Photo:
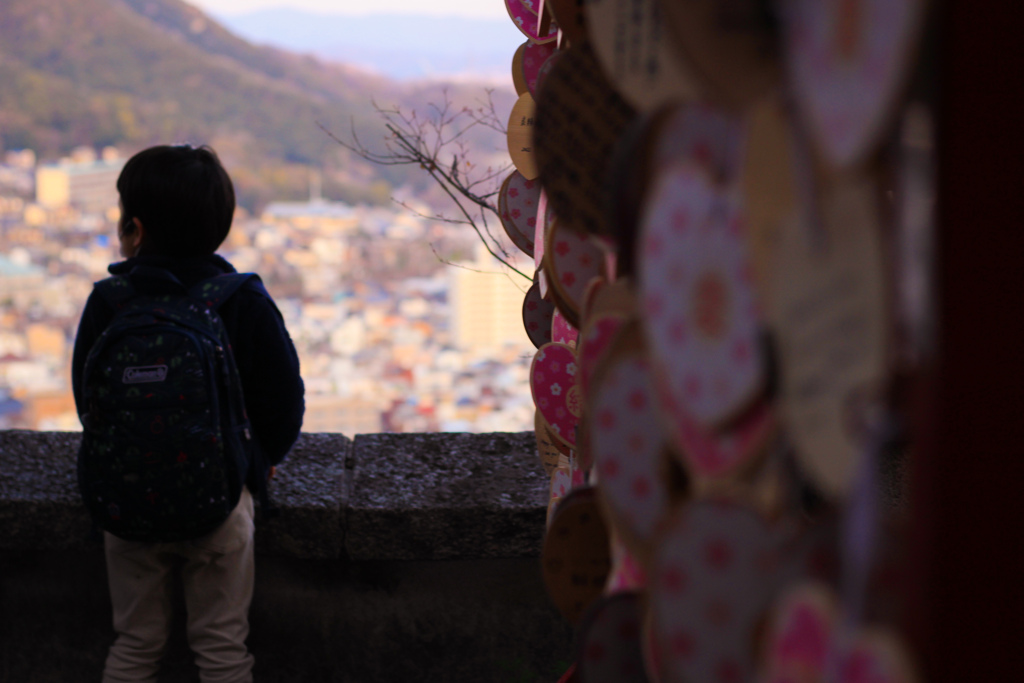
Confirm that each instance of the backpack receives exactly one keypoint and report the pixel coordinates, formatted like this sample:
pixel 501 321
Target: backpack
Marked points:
pixel 166 441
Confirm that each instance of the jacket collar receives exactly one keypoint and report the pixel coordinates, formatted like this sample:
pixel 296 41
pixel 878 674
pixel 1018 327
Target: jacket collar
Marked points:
pixel 188 270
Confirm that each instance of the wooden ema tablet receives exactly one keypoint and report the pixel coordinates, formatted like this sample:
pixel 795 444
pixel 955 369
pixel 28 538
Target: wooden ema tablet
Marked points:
pixel 540 237
pixel 627 573
pixel 696 290
pixel 534 57
pixel 520 135
pixel 708 137
pixel 828 316
pixel 526 22
pixel 808 640
pixel 714 575
pixel 633 49
pixel 769 187
pixel 572 261
pixel 799 636
pixel 876 655
pixel 604 297
pixel 848 62
pixel 628 450
pixel 626 184
pixel 579 118
pixel 531 6
pixel 537 313
pixel 545 70
pixel 703 135
pixel 711 457
pixel 575 559
pixel 517 206
pixel 654 662
pixel 518 77
pixel 731 46
pixel 609 309
pixel 545 445
pixel 599 334
pixel 562 331
pixel 608 645
pixel 545 21
pixel 561 481
pixel 569 16
pixel 555 389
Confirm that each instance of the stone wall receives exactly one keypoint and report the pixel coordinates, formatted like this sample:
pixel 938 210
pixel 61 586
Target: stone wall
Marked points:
pixel 394 556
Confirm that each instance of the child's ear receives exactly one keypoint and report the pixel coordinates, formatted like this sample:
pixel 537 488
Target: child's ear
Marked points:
pixel 138 235
pixel 131 237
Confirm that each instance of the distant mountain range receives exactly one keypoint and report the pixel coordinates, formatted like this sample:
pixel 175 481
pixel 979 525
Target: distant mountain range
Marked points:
pixel 138 72
pixel 402 47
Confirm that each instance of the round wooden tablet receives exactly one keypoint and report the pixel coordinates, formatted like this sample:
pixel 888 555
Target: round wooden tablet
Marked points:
pixel 696 289
pixel 706 136
pixel 562 331
pixel 518 77
pixel 714 456
pixel 609 642
pixel 575 559
pixel 731 46
pixel 877 655
pixel 535 55
pixel 712 580
pixel 537 313
pixel 540 236
pixel 628 450
pixel 579 118
pixel 561 481
pixel 555 388
pixel 800 634
pixel 769 187
pixel 517 206
pixel 572 261
pixel 654 664
pixel 545 70
pixel 633 49
pixel 829 317
pixel 526 22
pixel 848 62
pixel 546 448
pixel 626 184
pixel 627 572
pixel 521 135
pixel 569 15
pixel 530 5
pixel 808 640
pixel 599 333
pixel 605 297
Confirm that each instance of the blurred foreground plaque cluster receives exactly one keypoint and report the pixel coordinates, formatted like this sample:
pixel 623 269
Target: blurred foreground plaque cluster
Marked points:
pixel 729 204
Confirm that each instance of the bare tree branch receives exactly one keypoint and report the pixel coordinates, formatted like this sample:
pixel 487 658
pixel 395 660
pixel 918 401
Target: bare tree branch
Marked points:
pixel 428 142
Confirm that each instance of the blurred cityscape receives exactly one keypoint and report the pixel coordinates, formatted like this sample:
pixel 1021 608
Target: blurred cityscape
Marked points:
pixel 400 322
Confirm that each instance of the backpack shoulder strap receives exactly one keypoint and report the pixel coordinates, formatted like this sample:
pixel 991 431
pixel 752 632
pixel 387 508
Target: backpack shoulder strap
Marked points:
pixel 115 290
pixel 217 290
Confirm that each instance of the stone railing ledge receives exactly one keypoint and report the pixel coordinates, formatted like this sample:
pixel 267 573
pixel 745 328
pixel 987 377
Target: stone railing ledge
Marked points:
pixel 445 496
pixel 377 497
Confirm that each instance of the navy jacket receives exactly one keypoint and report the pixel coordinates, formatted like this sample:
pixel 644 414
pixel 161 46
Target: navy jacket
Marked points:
pixel 267 362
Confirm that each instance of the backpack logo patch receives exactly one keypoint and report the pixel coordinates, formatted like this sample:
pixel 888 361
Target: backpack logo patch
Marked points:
pixel 143 374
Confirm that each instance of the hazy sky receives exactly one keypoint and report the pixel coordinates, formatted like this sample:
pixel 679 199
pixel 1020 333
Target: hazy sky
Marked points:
pixel 490 9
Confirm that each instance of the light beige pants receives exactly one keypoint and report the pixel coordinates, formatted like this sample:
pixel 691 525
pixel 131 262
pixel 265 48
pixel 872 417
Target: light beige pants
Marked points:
pixel 217 577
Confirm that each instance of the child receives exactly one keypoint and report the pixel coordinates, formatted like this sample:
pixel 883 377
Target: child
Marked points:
pixel 177 204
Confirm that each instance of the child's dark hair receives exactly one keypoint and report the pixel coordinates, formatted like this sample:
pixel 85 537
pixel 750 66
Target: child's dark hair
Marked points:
pixel 183 197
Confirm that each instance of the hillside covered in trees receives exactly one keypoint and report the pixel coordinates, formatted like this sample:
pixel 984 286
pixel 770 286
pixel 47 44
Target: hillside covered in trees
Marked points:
pixel 132 73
